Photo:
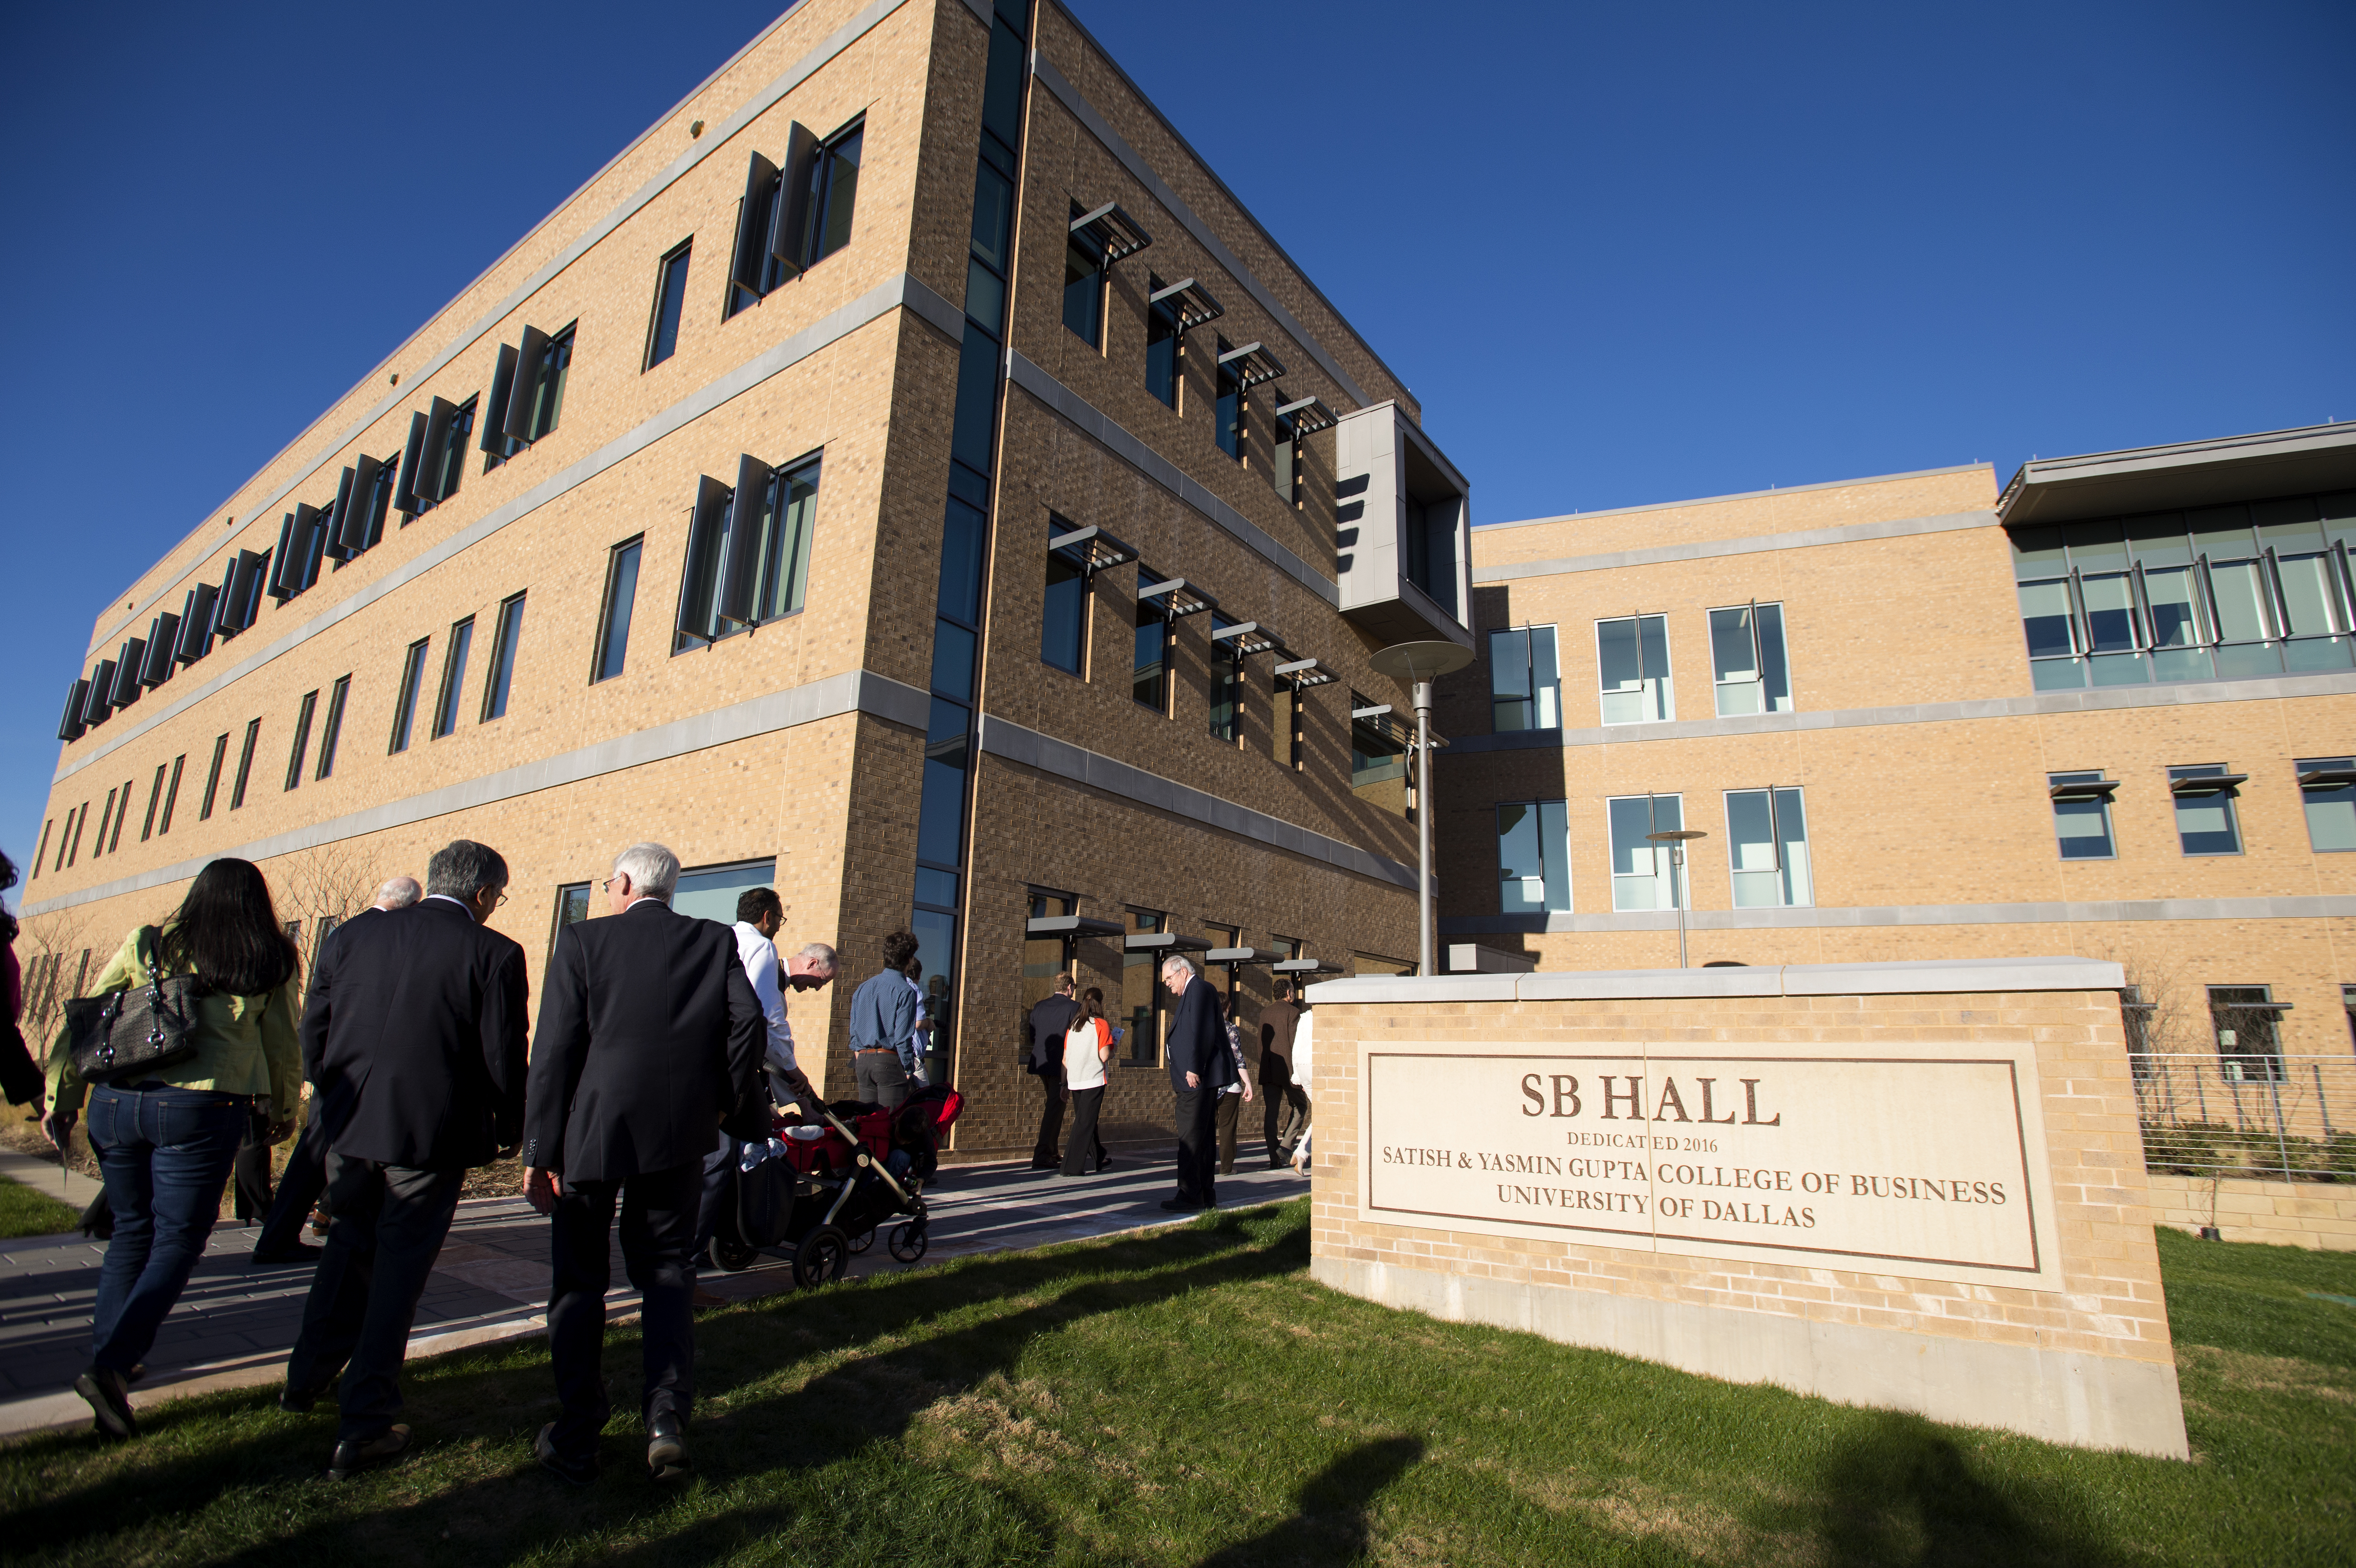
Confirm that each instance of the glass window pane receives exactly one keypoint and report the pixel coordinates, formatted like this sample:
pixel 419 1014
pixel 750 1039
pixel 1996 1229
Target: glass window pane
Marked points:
pixel 2112 623
pixel 2097 546
pixel 2311 593
pixel 2206 822
pixel 2083 828
pixel 669 302
pixel 1734 661
pixel 2330 813
pixel 2339 516
pixel 953 648
pixel 839 164
pixel 1083 292
pixel 1545 678
pixel 2175 619
pixel 1063 614
pixel 976 399
pixel 2158 539
pixel 1521 868
pixel 2037 552
pixel 1750 848
pixel 1554 841
pixel 2240 601
pixel 2045 616
pixel 940 831
pixel 1150 662
pixel 621 594
pixel 1791 835
pixel 712 895
pixel 2221 531
pixel 1632 654
pixel 2288 524
pixel 1775 671
pixel 1641 874
pixel 961 545
pixel 1509 680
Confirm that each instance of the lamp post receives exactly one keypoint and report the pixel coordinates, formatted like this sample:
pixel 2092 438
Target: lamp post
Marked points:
pixel 1675 838
pixel 1418 663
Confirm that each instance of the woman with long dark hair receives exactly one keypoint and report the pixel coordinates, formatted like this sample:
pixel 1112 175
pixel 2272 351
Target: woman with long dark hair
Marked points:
pixel 166 1143
pixel 19 1079
pixel 1087 1046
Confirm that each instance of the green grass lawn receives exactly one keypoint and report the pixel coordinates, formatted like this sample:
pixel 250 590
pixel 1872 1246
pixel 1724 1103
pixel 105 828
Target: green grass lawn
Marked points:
pixel 1190 1397
pixel 27 1212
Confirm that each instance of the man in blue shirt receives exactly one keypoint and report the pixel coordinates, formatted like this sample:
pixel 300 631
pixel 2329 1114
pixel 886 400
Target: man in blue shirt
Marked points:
pixel 883 1027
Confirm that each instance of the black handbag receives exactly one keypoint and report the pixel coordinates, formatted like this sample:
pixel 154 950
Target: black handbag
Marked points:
pixel 130 1034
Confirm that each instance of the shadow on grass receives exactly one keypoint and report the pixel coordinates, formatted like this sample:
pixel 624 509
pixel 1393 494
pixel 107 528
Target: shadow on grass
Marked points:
pixel 1331 1526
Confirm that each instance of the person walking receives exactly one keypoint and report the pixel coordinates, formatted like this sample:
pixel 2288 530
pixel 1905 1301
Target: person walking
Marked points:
pixel 1236 1095
pixel 165 1142
pixel 1049 1019
pixel 883 1023
pixel 1200 1066
pixel 1087 1048
pixel 1304 1039
pixel 20 1080
pixel 417 1019
pixel 649 1033
pixel 1283 1104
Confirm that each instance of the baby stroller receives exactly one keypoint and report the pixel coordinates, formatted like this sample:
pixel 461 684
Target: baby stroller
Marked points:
pixel 821 1191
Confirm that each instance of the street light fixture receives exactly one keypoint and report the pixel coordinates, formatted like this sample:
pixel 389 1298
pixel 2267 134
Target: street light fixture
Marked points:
pixel 1675 838
pixel 1418 663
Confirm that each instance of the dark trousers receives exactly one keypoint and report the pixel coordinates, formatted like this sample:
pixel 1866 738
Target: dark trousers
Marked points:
pixel 388 1225
pixel 882 1080
pixel 1048 1150
pixel 252 1170
pixel 299 1186
pixel 1229 1112
pixel 1198 1154
pixel 1086 1151
pixel 658 1213
pixel 1284 1105
pixel 164 1153
pixel 718 1166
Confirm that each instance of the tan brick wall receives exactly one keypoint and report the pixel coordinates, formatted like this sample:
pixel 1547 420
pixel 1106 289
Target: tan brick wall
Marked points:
pixel 2316 1214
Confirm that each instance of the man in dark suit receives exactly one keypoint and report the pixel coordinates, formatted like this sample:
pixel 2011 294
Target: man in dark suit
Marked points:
pixel 1049 1019
pixel 1283 1103
pixel 1200 1066
pixel 417 1031
pixel 649 1035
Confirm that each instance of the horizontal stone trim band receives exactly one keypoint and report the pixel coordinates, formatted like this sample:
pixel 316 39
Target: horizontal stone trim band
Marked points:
pixel 1710 549
pixel 2318 906
pixel 1904 977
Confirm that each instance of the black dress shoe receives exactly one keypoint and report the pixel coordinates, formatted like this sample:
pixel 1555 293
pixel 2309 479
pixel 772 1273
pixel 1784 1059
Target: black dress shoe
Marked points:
pixel 1046 1164
pixel 302 1400
pixel 300 1253
pixel 1103 1162
pixel 109 1401
pixel 579 1471
pixel 352 1458
pixel 1181 1206
pixel 666 1449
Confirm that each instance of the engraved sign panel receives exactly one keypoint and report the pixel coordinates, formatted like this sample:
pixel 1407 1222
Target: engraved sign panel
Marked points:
pixel 1922 1160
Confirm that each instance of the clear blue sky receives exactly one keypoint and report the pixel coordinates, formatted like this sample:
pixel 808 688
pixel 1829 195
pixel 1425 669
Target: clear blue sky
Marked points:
pixel 1621 253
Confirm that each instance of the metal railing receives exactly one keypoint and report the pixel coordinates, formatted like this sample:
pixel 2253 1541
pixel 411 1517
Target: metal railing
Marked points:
pixel 2265 1114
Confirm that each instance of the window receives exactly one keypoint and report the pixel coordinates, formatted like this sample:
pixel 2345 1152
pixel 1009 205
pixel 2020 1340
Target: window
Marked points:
pixel 546 380
pixel 1163 345
pixel 244 764
pixel 1150 670
pixel 2327 788
pixel 1286 711
pixel 106 816
pixel 2082 814
pixel 1083 285
pixel 1064 615
pixel 2224 591
pixel 2247 1021
pixel 2205 820
pixel 834 192
pixel 1633 655
pixel 155 799
pixel 1141 989
pixel 1524 685
pixel 454 678
pixel 114 838
pixel 1284 465
pixel 171 797
pixel 1226 684
pixel 302 745
pixel 334 730
pixel 404 706
pixel 1534 857
pixel 73 852
pixel 671 300
pixel 1643 875
pixel 1227 413
pixel 1746 657
pixel 212 778
pixel 505 635
pixel 794 218
pixel 1767 839
pixel 572 907
pixel 710 892
pixel 780 523
pixel 614 620
pixel 444 462
pixel 1377 756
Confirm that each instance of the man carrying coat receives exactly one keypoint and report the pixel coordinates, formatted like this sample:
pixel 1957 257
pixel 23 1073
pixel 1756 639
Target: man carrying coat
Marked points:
pixel 649 1035
pixel 1201 1065
pixel 417 1032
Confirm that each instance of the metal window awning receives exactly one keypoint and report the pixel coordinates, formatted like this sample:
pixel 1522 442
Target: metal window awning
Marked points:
pixel 1370 713
pixel 1164 942
pixel 1177 598
pixel 2327 778
pixel 1246 638
pixel 1305 673
pixel 1252 364
pixel 1073 925
pixel 2084 789
pixel 2208 784
pixel 1309 415
pixel 1091 548
pixel 1192 302
pixel 1305 967
pixel 1234 955
pixel 1111 231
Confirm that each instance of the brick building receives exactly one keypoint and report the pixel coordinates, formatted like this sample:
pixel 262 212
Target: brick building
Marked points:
pixel 905 476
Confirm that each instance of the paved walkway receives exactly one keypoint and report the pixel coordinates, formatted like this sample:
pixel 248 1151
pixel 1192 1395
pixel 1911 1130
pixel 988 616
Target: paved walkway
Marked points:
pixel 235 1323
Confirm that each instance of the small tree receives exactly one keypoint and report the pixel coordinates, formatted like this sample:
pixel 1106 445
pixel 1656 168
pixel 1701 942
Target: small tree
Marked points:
pixel 57 952
pixel 321 888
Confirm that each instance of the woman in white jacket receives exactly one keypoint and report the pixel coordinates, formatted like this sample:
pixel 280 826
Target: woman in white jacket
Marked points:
pixel 1303 1075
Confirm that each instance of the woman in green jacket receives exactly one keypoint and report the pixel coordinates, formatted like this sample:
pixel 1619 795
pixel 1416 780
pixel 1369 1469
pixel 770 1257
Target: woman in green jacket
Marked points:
pixel 166 1143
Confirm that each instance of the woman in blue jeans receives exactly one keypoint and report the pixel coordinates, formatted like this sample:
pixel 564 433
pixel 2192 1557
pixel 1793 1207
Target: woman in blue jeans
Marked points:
pixel 166 1143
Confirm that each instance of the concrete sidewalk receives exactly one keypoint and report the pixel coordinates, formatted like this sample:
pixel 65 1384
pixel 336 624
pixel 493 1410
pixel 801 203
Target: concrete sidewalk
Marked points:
pixel 235 1324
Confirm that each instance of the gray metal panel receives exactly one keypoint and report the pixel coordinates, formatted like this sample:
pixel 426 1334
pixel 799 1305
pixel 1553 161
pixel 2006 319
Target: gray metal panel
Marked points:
pixel 413 452
pixel 531 355
pixel 491 425
pixel 794 176
pixel 1373 503
pixel 741 563
pixel 2189 473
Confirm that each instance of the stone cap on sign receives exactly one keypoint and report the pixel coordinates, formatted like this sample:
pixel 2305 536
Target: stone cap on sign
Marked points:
pixel 1910 977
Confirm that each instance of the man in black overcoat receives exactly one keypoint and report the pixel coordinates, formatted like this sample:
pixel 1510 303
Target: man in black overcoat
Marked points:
pixel 417 1031
pixel 1049 1019
pixel 649 1036
pixel 1200 1066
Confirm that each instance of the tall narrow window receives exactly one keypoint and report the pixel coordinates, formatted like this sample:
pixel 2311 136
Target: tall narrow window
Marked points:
pixel 2327 789
pixel 784 522
pixel 506 634
pixel 1767 840
pixel 790 524
pixel 1150 668
pixel 1525 683
pixel 114 838
pixel 244 764
pixel 1227 414
pixel 1141 993
pixel 2082 814
pixel 2247 1024
pixel 1284 458
pixel 1746 655
pixel 1643 875
pixel 296 752
pixel 1534 857
pixel 405 703
pixel 105 819
pixel 1633 658
pixel 334 728
pixel 154 800
pixel 1064 612
pixel 212 778
pixel 1226 684
pixel 834 193
pixel 614 620
pixel 2206 822
pixel 72 851
pixel 670 300
pixel 454 678
pixel 171 793
pixel 444 461
pixel 1162 346
pixel 548 385
pixel 1286 710
pixel 1083 285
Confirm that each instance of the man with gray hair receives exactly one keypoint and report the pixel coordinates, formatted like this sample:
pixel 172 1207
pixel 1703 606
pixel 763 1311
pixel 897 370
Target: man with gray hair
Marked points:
pixel 399 893
pixel 1201 1066
pixel 649 1036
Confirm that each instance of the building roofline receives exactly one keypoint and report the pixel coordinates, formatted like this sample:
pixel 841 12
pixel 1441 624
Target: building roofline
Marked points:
pixel 2126 479
pixel 1738 496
